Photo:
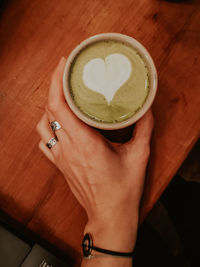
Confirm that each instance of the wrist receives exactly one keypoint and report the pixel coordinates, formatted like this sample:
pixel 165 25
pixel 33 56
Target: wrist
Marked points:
pixel 117 235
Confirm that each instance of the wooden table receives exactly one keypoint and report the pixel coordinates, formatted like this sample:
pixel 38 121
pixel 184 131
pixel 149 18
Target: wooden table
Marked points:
pixel 33 37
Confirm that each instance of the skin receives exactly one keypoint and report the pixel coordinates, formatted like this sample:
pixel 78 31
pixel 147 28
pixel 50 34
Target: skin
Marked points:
pixel 106 178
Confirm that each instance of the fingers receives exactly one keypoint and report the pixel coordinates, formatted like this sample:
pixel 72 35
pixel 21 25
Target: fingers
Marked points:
pixel 43 128
pixel 56 95
pixel 47 152
pixel 57 105
pixel 61 134
pixel 59 109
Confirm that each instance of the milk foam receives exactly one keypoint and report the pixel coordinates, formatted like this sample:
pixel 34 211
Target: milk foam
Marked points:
pixel 107 76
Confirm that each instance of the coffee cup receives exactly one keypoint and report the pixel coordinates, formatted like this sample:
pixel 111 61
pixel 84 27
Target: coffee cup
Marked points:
pixel 120 78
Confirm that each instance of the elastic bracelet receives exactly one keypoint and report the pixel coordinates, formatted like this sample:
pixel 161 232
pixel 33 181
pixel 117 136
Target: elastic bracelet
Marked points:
pixel 87 246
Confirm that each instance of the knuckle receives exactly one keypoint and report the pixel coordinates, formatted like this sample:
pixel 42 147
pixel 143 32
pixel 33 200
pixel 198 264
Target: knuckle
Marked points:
pixel 40 145
pixel 52 106
pixel 144 150
pixel 147 151
pixel 151 119
pixel 38 126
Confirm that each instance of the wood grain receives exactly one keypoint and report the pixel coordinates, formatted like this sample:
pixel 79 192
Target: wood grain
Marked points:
pixel 33 37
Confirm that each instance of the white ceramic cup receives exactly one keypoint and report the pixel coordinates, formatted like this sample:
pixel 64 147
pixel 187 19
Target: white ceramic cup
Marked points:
pixel 152 80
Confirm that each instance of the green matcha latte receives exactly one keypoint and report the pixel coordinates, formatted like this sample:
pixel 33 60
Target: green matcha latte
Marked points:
pixel 109 81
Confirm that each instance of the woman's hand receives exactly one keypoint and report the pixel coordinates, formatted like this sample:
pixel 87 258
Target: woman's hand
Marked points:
pixel 106 178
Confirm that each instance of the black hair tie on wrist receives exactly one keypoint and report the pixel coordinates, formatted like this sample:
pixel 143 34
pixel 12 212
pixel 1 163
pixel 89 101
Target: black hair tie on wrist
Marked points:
pixel 87 246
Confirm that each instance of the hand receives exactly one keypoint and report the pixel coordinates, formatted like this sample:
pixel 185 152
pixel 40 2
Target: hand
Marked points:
pixel 106 178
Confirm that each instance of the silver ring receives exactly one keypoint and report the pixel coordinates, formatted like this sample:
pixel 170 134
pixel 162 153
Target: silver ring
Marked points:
pixel 52 142
pixel 55 126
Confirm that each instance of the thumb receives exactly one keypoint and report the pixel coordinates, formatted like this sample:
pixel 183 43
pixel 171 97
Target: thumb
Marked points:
pixel 143 130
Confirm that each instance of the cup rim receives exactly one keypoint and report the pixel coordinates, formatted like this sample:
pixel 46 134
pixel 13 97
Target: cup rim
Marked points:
pixel 153 80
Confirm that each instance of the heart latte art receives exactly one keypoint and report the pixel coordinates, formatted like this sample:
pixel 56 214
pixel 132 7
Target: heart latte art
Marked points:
pixel 107 76
pixel 109 81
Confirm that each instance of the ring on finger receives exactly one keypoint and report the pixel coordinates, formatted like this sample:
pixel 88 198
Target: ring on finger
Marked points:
pixel 55 125
pixel 52 142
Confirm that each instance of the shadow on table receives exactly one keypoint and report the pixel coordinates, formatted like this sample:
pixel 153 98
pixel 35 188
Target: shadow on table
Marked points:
pixel 181 202
pixel 31 238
